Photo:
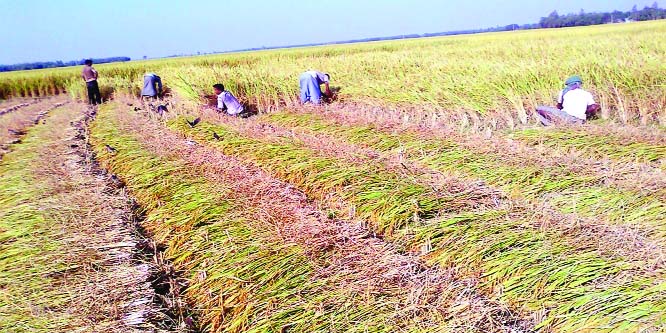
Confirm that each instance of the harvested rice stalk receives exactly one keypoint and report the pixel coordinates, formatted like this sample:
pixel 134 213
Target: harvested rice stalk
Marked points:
pixel 261 259
pixel 523 268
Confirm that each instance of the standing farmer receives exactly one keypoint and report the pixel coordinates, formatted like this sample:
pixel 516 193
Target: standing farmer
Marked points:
pixel 310 83
pixel 152 86
pixel 574 105
pixel 89 74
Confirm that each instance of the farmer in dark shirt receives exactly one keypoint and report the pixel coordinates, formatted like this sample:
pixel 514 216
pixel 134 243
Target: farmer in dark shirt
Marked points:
pixel 89 74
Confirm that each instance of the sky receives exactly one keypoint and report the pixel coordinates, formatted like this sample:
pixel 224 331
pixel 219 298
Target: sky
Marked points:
pixel 45 30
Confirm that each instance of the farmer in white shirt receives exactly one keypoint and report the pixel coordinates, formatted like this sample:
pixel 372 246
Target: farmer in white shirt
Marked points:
pixel 574 105
pixel 310 83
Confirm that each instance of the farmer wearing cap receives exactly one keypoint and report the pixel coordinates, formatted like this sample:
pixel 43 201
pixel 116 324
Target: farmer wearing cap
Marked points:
pixel 310 83
pixel 152 86
pixel 574 105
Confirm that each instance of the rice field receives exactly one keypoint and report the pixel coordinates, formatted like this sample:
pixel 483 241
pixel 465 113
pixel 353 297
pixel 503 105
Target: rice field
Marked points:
pixel 424 198
pixel 489 80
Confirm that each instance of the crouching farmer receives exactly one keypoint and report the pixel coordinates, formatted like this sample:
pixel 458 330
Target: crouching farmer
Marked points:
pixel 310 83
pixel 226 102
pixel 574 105
pixel 152 86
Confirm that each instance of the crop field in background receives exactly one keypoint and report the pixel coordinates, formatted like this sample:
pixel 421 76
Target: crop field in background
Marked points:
pixel 499 78
pixel 424 198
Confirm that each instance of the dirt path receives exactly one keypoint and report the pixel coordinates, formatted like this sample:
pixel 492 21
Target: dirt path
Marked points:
pixel 69 262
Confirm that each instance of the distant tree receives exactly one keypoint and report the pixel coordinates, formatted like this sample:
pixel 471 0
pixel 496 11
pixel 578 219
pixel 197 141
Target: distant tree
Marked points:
pixel 554 20
pixel 52 64
pixel 551 21
pixel 617 16
pixel 634 13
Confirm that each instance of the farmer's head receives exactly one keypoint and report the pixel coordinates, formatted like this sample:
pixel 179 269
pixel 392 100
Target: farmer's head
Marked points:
pixel 328 77
pixel 218 88
pixel 574 82
pixel 88 62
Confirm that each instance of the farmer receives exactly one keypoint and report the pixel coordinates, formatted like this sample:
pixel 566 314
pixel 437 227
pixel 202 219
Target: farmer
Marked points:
pixel 574 105
pixel 226 102
pixel 152 86
pixel 89 74
pixel 310 83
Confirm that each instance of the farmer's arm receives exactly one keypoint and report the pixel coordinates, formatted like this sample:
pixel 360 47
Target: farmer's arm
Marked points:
pixel 159 85
pixel 328 89
pixel 592 107
pixel 221 106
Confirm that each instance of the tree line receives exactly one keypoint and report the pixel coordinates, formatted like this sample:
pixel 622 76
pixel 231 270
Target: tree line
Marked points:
pixel 554 20
pixel 53 64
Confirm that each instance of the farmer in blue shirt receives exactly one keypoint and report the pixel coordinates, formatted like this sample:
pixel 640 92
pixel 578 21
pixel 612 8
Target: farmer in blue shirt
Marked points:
pixel 310 83
pixel 152 85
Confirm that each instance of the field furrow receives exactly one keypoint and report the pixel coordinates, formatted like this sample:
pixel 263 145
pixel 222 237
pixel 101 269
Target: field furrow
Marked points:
pixel 66 251
pixel 612 240
pixel 387 197
pixel 13 125
pixel 600 144
pixel 261 258
pixel 8 106
pixel 517 262
pixel 627 174
pixel 585 193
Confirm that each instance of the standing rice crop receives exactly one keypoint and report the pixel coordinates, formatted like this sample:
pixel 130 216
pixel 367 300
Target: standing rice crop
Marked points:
pixel 499 77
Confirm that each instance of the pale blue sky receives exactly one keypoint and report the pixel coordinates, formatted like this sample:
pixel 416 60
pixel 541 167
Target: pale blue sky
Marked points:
pixel 40 30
